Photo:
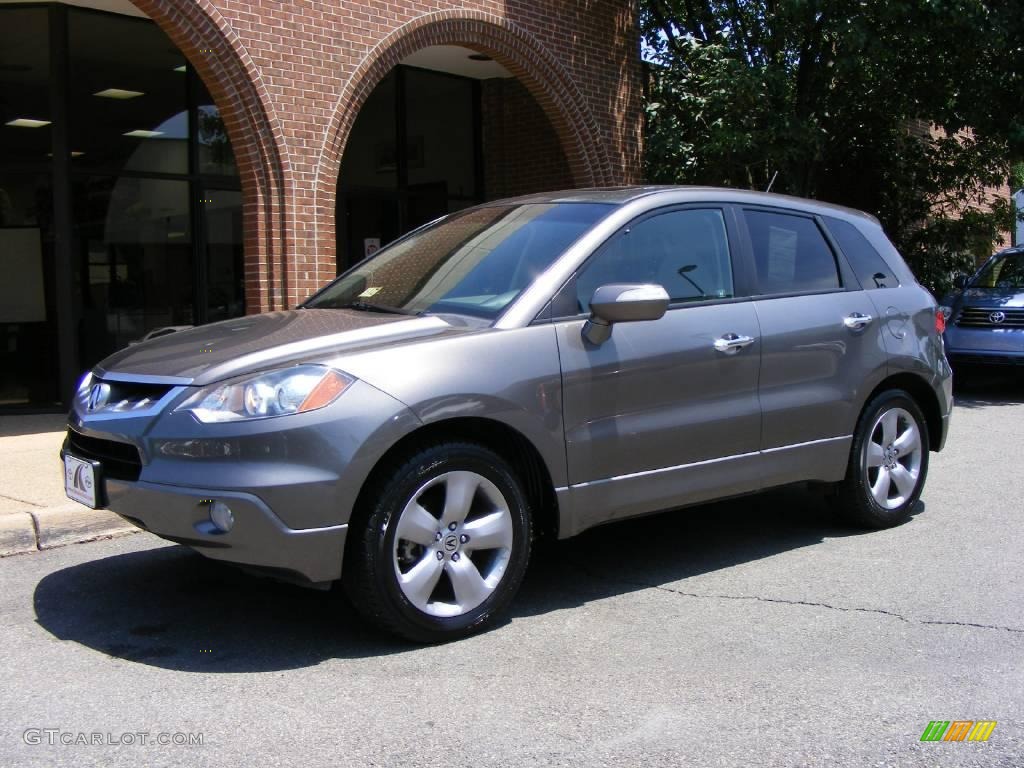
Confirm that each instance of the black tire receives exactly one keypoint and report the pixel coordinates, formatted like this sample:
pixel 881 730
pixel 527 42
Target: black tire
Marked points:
pixel 373 558
pixel 857 503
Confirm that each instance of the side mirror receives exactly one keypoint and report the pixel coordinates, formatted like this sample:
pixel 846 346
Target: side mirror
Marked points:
pixel 959 282
pixel 623 303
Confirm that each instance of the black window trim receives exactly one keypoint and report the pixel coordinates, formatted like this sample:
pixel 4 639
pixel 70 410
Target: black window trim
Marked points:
pixel 847 278
pixel 740 283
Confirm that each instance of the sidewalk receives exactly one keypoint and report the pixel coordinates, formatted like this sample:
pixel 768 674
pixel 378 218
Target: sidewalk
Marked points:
pixel 34 512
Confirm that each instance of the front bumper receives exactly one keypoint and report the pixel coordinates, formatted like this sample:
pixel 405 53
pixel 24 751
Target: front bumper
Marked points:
pixel 291 482
pixel 258 538
pixel 985 346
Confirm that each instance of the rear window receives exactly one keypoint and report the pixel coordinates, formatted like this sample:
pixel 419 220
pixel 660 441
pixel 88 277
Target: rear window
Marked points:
pixel 867 263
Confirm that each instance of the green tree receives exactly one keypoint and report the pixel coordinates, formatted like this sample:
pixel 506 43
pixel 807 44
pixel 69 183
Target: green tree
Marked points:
pixel 834 99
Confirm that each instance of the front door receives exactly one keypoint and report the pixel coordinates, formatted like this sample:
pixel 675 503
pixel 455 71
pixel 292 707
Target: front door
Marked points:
pixel 658 415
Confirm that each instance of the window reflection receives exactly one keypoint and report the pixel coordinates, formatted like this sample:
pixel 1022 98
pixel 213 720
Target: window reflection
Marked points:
pixel 24 83
pixel 127 97
pixel 136 243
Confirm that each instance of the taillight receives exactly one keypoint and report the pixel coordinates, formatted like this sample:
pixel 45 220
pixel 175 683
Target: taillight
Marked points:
pixel 940 319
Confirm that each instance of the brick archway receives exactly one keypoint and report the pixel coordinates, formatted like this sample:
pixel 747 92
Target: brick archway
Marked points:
pixel 510 45
pixel 220 59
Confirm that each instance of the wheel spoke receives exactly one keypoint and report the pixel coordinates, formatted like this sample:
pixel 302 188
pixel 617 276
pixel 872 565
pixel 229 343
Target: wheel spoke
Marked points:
pixel 493 531
pixel 890 423
pixel 418 525
pixel 905 481
pixel 876 456
pixel 469 586
pixel 908 442
pixel 880 489
pixel 459 491
pixel 419 582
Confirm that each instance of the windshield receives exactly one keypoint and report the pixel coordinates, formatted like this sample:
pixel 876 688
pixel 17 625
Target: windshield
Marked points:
pixel 1007 272
pixel 474 263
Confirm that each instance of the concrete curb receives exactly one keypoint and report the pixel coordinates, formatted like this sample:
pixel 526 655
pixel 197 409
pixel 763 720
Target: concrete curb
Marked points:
pixel 45 528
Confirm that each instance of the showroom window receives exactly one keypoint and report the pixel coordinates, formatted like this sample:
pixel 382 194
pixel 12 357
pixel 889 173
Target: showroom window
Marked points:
pixel 120 204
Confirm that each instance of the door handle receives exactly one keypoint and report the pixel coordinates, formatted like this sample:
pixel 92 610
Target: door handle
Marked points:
pixel 731 343
pixel 858 321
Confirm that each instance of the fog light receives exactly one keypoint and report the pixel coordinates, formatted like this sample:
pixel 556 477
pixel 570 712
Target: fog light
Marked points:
pixel 221 516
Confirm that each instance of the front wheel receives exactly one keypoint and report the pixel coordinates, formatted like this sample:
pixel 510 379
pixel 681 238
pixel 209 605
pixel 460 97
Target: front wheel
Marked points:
pixel 888 462
pixel 444 545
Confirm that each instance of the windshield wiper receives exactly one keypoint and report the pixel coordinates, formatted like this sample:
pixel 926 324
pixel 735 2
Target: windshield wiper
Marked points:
pixel 366 306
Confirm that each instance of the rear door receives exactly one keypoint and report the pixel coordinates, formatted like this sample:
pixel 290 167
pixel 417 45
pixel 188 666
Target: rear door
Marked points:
pixel 821 345
pixel 657 416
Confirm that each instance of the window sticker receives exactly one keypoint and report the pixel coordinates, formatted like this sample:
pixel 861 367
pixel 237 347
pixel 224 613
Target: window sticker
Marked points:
pixel 371 292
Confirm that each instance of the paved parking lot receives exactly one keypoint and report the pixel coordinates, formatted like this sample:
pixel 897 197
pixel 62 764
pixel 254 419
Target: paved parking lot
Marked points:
pixel 758 632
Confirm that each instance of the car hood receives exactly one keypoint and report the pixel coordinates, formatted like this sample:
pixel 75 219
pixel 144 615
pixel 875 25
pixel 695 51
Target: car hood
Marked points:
pixel 218 351
pixel 992 297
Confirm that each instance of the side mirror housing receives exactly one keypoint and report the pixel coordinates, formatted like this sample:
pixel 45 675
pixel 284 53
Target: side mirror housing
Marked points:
pixel 623 303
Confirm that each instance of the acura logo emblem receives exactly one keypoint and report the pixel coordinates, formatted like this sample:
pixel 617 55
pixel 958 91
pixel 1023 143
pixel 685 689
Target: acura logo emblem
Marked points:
pixel 98 395
pixel 997 317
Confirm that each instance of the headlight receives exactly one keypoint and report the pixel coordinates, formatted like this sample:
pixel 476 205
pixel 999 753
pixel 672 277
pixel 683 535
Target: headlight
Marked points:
pixel 946 312
pixel 277 393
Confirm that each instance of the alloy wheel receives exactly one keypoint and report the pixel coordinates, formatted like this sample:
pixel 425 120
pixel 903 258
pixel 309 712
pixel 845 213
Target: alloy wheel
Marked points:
pixel 892 458
pixel 453 543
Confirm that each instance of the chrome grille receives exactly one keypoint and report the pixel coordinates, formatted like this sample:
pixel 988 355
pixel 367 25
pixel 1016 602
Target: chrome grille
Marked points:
pixel 986 317
pixel 104 396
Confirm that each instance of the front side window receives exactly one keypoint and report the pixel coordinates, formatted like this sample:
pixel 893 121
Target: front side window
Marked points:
pixel 1007 272
pixel 685 251
pixel 790 254
pixel 473 263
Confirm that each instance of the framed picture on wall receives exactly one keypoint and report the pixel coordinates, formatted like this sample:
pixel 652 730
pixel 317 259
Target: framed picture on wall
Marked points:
pixel 22 295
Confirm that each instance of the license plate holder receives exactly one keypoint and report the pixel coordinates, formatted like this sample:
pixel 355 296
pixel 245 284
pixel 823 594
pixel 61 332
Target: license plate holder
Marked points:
pixel 83 481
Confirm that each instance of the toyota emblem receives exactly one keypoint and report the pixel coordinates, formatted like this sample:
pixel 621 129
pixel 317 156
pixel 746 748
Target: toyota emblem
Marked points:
pixel 997 317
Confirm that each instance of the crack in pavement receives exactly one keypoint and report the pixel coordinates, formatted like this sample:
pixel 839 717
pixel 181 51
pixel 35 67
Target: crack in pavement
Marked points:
pixel 21 501
pixel 814 604
pixel 786 601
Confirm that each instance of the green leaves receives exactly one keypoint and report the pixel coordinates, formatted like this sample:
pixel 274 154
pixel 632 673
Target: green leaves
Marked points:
pixel 839 98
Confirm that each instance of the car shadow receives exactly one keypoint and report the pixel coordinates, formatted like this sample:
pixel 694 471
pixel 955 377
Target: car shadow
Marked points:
pixel 981 387
pixel 171 608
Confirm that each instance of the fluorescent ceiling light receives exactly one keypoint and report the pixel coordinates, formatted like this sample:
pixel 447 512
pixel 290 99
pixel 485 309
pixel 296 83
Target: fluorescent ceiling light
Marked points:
pixel 27 122
pixel 141 134
pixel 180 69
pixel 117 93
pixel 74 153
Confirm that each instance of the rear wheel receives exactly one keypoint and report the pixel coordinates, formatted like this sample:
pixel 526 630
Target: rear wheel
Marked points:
pixel 888 462
pixel 444 546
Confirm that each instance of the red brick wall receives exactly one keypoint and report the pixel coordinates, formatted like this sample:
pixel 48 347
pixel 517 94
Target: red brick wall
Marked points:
pixel 290 76
pixel 522 153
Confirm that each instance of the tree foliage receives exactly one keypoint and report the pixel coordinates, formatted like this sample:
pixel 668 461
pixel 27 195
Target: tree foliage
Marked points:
pixel 835 99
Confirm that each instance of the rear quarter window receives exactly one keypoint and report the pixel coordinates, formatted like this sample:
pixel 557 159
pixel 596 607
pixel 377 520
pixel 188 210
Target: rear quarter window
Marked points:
pixel 871 269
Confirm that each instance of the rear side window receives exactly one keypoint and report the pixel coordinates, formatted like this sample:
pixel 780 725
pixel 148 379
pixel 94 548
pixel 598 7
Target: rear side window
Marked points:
pixel 867 263
pixel 790 254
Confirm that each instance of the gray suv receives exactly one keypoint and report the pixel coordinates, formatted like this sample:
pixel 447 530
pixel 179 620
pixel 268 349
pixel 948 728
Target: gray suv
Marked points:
pixel 526 368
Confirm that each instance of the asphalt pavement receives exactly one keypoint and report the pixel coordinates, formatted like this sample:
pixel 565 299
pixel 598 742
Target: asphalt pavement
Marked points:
pixel 758 632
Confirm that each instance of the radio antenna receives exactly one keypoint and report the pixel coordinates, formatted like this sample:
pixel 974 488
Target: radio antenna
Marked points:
pixel 774 176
